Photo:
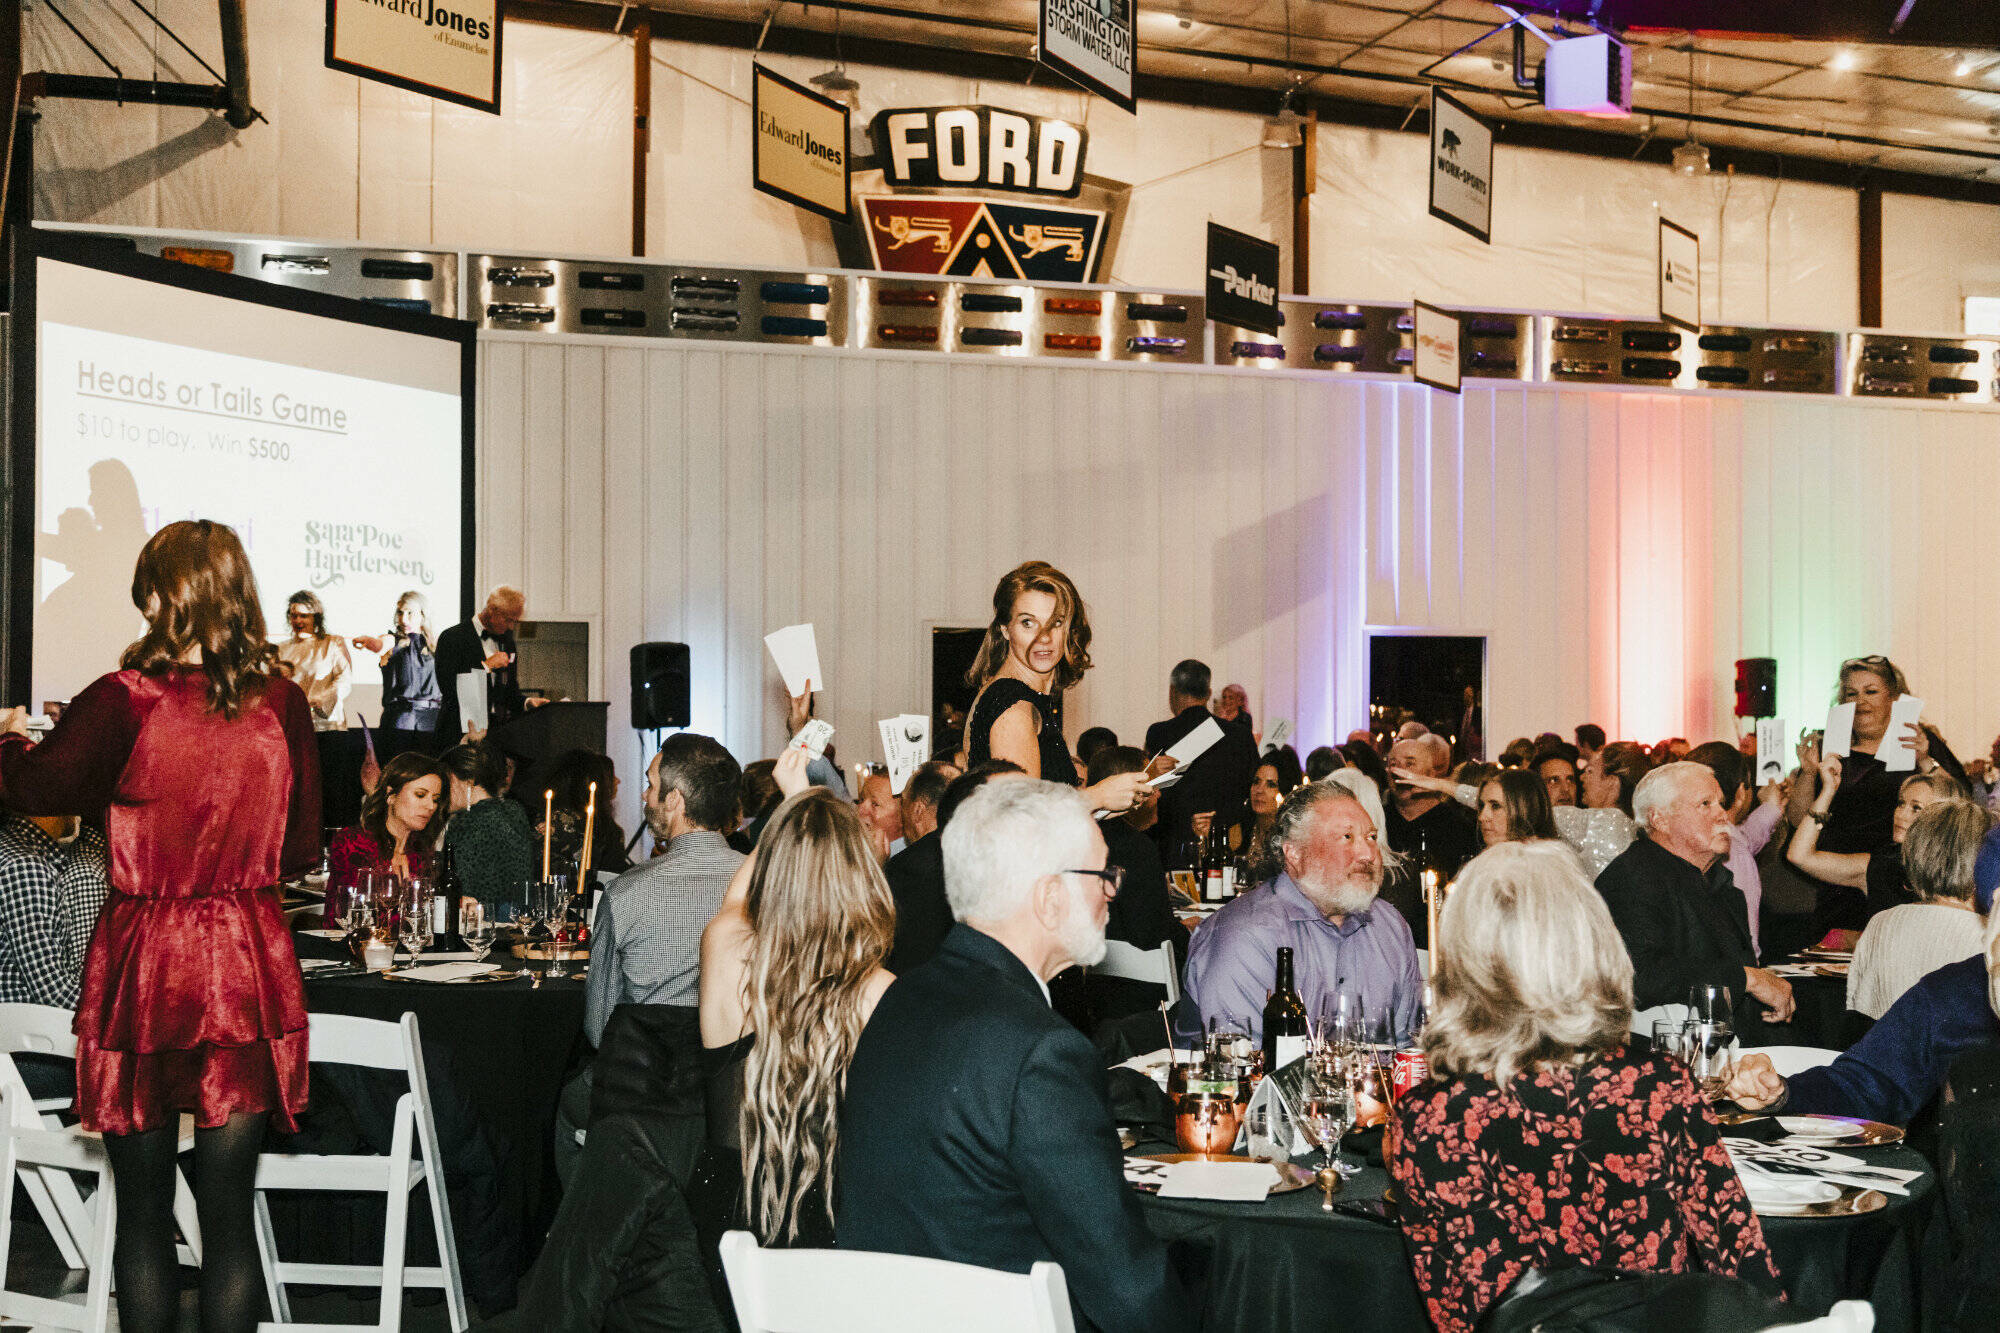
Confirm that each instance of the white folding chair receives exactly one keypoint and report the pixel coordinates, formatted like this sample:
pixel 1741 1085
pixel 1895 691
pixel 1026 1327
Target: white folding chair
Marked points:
pixel 370 1044
pixel 855 1291
pixel 1135 964
pixel 1790 1060
pixel 44 1030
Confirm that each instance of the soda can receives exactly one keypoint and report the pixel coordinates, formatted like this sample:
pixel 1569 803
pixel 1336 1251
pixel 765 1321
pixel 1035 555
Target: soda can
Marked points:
pixel 1410 1069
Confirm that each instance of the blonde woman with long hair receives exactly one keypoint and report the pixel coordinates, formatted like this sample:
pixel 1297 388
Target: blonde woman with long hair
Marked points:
pixel 791 970
pixel 411 695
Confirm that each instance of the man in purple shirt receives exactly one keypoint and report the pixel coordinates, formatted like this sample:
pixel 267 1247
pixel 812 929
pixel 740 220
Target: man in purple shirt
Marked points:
pixel 1321 906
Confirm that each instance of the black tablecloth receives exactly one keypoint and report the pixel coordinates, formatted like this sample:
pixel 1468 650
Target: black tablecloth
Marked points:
pixel 1284 1264
pixel 500 1051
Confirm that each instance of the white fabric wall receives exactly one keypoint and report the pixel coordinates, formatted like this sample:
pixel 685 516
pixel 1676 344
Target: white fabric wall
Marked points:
pixel 343 158
pixel 1619 550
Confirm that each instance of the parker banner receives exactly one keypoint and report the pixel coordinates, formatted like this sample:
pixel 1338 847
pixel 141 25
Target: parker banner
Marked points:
pixel 1094 43
pixel 798 150
pixel 448 49
pixel 1461 167
pixel 1242 280
pixel 981 238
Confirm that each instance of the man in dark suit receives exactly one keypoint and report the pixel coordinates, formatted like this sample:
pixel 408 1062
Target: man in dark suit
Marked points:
pixel 916 875
pixel 1678 909
pixel 975 1126
pixel 484 643
pixel 1218 782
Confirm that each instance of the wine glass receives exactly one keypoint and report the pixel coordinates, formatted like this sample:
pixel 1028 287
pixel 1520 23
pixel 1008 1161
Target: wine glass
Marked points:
pixel 1710 1004
pixel 415 930
pixel 1328 1112
pixel 549 908
pixel 1709 1049
pixel 1343 1021
pixel 357 923
pixel 476 928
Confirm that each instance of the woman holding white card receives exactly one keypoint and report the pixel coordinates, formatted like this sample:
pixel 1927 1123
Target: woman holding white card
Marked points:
pixel 1037 646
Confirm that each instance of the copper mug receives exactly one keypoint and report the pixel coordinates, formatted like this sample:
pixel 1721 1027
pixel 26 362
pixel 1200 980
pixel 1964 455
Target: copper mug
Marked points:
pixel 1206 1122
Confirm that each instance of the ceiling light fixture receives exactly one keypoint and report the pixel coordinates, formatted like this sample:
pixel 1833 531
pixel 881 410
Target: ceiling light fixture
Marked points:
pixel 1287 128
pixel 1691 158
pixel 1843 59
pixel 836 82
pixel 1965 67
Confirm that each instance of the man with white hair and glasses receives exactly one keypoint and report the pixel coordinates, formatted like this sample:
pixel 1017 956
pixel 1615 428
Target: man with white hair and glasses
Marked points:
pixel 975 1127
pixel 1683 920
pixel 1316 897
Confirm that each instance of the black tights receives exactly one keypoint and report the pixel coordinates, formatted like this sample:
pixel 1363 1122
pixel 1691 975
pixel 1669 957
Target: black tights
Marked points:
pixel 225 1166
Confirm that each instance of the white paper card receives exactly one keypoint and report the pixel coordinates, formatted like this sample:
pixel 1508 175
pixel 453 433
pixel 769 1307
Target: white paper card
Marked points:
pixel 471 689
pixel 1770 750
pixel 1277 734
pixel 1839 738
pixel 1895 751
pixel 813 737
pixel 906 746
pixel 1237 1182
pixel 448 971
pixel 795 650
pixel 1191 746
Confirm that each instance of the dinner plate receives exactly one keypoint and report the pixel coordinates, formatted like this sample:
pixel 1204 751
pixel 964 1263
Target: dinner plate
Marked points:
pixel 1828 955
pixel 1850 1201
pixel 1839 1131
pixel 1830 969
pixel 1290 1175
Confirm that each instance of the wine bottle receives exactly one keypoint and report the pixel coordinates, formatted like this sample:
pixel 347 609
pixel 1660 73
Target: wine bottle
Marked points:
pixel 452 890
pixel 1211 866
pixel 1284 1020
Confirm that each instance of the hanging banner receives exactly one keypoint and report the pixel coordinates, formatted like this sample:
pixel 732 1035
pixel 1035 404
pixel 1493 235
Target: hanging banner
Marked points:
pixel 799 149
pixel 1680 276
pixel 1094 43
pixel 1461 167
pixel 980 238
pixel 1436 334
pixel 1242 280
pixel 449 50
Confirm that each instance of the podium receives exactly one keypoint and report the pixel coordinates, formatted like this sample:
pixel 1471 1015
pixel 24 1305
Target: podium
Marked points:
pixel 540 735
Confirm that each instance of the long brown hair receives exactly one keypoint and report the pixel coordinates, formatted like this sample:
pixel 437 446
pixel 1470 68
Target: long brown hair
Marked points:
pixel 1525 798
pixel 194 585
pixel 397 774
pixel 822 922
pixel 1035 576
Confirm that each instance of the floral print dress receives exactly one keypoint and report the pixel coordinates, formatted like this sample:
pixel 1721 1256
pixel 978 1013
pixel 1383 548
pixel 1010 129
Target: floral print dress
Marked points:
pixel 1616 1164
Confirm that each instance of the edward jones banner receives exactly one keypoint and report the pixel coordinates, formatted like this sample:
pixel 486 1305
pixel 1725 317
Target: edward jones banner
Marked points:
pixel 442 48
pixel 799 149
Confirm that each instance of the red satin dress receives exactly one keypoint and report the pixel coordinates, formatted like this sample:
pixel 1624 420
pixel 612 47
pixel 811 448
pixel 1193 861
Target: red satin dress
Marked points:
pixel 192 999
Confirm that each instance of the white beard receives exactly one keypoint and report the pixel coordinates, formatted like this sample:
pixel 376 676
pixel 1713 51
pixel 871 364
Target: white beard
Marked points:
pixel 1342 897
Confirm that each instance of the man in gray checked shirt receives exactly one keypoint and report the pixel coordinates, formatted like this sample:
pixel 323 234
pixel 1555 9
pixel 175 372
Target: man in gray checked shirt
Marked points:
pixel 645 946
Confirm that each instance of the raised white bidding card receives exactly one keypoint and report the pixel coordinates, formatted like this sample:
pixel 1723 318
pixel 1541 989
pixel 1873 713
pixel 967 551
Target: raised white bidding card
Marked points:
pixel 1191 746
pixel 1770 750
pixel 795 650
pixel 1839 738
pixel 1894 751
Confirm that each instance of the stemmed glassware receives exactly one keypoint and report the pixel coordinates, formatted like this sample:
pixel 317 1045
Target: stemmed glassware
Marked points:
pixel 1329 1107
pixel 476 928
pixel 415 927
pixel 550 904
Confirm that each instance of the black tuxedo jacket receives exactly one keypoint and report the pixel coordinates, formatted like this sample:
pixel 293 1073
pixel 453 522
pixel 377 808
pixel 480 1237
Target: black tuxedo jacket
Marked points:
pixel 1219 780
pixel 460 650
pixel 976 1129
pixel 923 914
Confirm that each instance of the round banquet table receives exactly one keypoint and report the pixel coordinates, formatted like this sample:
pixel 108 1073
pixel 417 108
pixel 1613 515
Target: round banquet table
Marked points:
pixel 502 1049
pixel 1284 1264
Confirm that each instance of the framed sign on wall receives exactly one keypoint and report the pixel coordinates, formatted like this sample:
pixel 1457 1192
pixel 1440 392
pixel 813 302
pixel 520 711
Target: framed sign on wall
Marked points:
pixel 448 49
pixel 798 152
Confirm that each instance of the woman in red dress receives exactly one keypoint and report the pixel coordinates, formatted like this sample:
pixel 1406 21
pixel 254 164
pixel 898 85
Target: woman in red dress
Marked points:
pixel 202 755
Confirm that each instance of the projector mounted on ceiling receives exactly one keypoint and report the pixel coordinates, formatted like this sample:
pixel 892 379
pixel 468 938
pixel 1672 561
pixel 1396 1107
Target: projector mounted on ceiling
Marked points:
pixel 1589 76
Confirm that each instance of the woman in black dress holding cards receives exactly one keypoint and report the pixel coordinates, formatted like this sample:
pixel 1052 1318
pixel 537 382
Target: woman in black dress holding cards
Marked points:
pixel 1037 646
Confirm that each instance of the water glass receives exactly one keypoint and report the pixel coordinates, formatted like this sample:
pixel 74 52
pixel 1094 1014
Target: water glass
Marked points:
pixel 1710 1004
pixel 476 928
pixel 1670 1037
pixel 1710 1052
pixel 1228 1039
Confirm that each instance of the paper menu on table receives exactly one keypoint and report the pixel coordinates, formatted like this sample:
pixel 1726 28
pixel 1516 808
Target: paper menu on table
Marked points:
pixel 1895 751
pixel 1793 1161
pixel 1839 737
pixel 906 745
pixel 1770 750
pixel 795 650
pixel 1236 1182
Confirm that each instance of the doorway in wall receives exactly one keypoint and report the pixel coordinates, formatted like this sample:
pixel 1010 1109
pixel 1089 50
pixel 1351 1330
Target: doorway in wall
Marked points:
pixel 1436 679
pixel 954 648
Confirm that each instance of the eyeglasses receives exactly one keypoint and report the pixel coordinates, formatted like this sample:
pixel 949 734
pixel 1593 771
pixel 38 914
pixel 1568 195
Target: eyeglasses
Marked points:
pixel 1113 877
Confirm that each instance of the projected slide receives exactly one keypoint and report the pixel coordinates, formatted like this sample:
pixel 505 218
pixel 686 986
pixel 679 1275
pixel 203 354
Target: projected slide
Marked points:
pixel 333 448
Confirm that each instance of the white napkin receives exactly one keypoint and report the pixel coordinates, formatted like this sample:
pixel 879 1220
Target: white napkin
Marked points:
pixel 448 971
pixel 1787 1191
pixel 1234 1182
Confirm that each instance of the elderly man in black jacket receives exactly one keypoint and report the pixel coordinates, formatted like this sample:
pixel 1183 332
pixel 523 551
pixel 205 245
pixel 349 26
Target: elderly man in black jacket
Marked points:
pixel 1677 907
pixel 975 1126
